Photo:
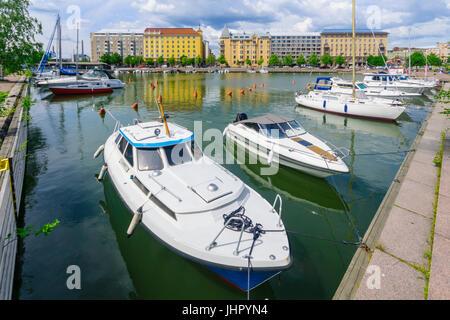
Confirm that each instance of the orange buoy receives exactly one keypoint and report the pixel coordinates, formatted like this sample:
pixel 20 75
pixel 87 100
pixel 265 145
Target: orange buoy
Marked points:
pixel 242 91
pixel 262 84
pixel 102 112
pixel 308 87
pixel 156 82
pixel 195 94
pixel 249 89
pixel 293 81
pixel 160 98
pixel 230 93
pixel 254 86
pixel 152 85
pixel 134 106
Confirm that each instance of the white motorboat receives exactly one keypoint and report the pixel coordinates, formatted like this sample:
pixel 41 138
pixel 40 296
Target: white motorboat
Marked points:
pixel 283 140
pixel 263 70
pixel 193 205
pixel 346 105
pixel 81 88
pixel 251 71
pixel 91 75
pixel 386 81
pixel 342 86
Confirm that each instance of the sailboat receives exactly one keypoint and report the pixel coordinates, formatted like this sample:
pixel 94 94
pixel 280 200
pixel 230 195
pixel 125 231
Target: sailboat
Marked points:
pixel 353 106
pixel 194 206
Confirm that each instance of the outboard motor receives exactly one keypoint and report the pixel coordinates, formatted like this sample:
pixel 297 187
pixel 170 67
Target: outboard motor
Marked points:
pixel 241 117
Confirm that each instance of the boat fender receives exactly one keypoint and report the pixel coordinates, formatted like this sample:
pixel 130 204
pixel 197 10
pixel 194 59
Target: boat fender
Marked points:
pixel 324 104
pixel 134 106
pixel 225 132
pixel 230 93
pixel 195 94
pixel 102 173
pixel 254 86
pixel 137 217
pixel 345 108
pixel 242 91
pixel 99 150
pixel 262 84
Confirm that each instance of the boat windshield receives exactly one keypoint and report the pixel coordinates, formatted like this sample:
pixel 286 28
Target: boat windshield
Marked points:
pixel 98 74
pixel 177 154
pixel 297 127
pixel 149 159
pixel 272 131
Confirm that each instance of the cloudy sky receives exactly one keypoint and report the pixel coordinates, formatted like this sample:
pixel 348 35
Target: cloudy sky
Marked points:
pixel 428 21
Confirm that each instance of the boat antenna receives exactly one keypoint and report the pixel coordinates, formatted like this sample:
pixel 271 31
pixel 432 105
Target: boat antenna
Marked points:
pixel 353 49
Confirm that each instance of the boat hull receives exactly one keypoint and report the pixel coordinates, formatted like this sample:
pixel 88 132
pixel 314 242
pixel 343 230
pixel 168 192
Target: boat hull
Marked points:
pixel 378 112
pixel 242 279
pixel 72 91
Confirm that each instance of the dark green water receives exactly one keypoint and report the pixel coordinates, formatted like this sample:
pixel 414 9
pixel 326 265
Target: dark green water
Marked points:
pixel 60 183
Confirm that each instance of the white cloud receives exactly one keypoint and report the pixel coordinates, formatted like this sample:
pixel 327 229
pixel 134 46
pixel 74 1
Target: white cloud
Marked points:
pixel 152 6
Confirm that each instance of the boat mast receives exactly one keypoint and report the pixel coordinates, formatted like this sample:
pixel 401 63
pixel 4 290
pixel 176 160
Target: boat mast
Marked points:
pixel 59 43
pixel 353 48
pixel 409 51
pixel 76 68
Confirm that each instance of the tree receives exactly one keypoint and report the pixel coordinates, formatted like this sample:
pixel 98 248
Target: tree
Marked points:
pixel 248 62
pixel 149 61
pixel 184 60
pixel 434 60
pixel 35 57
pixel 160 60
pixel 115 58
pixel 313 59
pixel 339 60
pixel 326 59
pixel 378 61
pixel 417 59
pixel 222 60
pixel 300 60
pixel 137 60
pixel 211 60
pixel 198 60
pixel 106 58
pixel 17 35
pixel 288 61
pixel 274 61
pixel 171 61
pixel 128 60
pixel 260 61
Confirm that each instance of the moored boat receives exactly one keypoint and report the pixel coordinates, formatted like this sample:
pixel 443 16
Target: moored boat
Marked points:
pixel 283 140
pixel 81 88
pixel 194 206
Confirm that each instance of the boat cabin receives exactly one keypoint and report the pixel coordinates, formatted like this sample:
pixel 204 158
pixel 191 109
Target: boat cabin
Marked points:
pixel 273 126
pixel 147 147
pixel 97 74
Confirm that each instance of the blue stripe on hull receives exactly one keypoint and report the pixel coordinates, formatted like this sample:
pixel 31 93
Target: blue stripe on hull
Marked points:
pixel 239 278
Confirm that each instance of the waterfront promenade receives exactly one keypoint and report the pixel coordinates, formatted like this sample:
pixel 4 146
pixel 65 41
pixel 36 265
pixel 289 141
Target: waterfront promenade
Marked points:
pixel 409 236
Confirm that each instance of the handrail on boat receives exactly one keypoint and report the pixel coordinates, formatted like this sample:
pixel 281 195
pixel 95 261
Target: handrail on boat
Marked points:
pixel 278 197
pixel 214 243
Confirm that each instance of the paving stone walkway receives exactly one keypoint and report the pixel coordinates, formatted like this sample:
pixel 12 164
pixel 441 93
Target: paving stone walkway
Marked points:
pixel 398 266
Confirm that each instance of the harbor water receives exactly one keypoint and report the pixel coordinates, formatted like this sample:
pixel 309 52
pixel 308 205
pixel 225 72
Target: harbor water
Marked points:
pixel 60 183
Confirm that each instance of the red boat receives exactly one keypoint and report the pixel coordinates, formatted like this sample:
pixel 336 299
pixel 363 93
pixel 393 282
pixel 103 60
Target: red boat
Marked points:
pixel 85 88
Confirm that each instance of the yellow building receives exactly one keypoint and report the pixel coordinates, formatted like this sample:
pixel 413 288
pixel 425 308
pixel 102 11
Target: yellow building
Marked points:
pixel 239 47
pixel 176 42
pixel 338 42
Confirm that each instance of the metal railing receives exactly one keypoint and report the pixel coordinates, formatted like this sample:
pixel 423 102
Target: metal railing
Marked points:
pixel 214 243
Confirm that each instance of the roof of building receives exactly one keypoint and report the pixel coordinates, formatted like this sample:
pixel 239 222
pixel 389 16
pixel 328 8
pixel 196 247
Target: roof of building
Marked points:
pixel 334 31
pixel 225 32
pixel 172 31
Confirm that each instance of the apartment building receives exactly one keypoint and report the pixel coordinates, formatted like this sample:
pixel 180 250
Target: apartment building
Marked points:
pixel 238 47
pixel 176 42
pixel 296 45
pixel 123 43
pixel 338 42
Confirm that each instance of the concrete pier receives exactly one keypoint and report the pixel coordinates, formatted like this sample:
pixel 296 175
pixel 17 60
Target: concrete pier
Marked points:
pixel 409 236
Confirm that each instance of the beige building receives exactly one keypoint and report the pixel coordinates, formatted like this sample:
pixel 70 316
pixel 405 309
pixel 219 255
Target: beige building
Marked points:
pixel 176 42
pixel 239 47
pixel 443 51
pixel 123 43
pixel 338 42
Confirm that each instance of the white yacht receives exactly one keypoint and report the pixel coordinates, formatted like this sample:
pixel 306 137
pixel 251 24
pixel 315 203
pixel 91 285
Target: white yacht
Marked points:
pixel 91 75
pixel 384 80
pixel 342 86
pixel 194 206
pixel 280 139
pixel 360 106
pixel 263 70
